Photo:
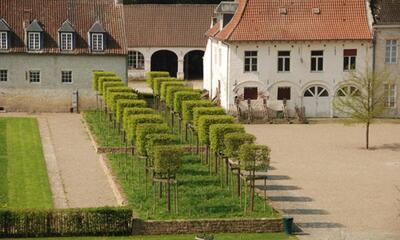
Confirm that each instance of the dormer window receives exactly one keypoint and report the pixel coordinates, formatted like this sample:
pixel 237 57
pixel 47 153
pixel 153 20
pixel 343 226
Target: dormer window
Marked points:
pixel 34 36
pixel 66 36
pixel 97 37
pixel 4 35
pixel 34 41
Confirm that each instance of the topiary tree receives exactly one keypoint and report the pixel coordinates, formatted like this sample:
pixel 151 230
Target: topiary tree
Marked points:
pixel 206 121
pixel 189 105
pixel 131 111
pixel 157 139
pixel 171 90
pixel 234 140
pixel 165 85
pixel 154 74
pixel 144 129
pixel 115 96
pixel 218 132
pixel 110 90
pixel 102 80
pixel 158 81
pixel 201 111
pixel 133 121
pixel 97 75
pixel 107 85
pixel 125 103
pixel 181 96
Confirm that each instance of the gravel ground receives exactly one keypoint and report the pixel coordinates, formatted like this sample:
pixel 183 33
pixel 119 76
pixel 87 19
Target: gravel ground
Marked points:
pixel 335 189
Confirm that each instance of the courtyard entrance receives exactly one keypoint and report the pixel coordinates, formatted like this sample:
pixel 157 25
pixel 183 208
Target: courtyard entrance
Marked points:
pixel 193 65
pixel 165 60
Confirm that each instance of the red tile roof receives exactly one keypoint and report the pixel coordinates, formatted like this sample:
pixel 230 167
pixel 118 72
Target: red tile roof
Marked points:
pixel 387 12
pixel 261 20
pixel 167 25
pixel 51 14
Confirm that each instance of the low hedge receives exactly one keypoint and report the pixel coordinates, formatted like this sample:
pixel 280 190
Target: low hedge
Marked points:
pixel 97 75
pixel 125 103
pixel 103 80
pixel 131 111
pixel 206 121
pixel 133 121
pixel 156 139
pixel 116 89
pixel 66 222
pixel 167 159
pixel 115 96
pixel 201 111
pixel 218 132
pixel 181 96
pixel 151 75
pixel 189 105
pixel 107 85
pixel 254 157
pixel 158 81
pixel 144 129
pixel 165 85
pixel 171 90
pixel 233 141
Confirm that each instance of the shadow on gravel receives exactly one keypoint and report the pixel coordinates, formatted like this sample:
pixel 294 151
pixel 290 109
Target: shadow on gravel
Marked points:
pixel 278 177
pixel 304 211
pixel 318 225
pixel 278 187
pixel 289 199
pixel 393 147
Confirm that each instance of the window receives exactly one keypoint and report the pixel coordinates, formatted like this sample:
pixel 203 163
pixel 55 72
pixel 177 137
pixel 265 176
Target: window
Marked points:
pixel 66 41
pixel 135 60
pixel 34 41
pixel 250 61
pixel 283 61
pixel 391 52
pixel 250 93
pixel 3 75
pixel 349 59
pixel 34 76
pixel 317 61
pixel 3 40
pixel 390 95
pixel 284 93
pixel 97 42
pixel 66 76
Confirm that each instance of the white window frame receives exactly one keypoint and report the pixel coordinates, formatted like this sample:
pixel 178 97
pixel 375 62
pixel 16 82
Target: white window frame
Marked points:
pixel 3 40
pixel 349 67
pixel 97 42
pixel 391 51
pixel 34 72
pixel 34 41
pixel 390 95
pixel 66 41
pixel 252 61
pixel 3 75
pixel 317 58
pixel 71 77
pixel 135 60
pixel 284 61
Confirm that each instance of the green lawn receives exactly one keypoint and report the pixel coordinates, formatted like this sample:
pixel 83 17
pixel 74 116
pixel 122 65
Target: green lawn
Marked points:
pixel 23 177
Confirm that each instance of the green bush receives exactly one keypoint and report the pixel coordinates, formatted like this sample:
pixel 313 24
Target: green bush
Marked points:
pixel 125 103
pixel 115 96
pixel 167 159
pixel 144 129
pixel 254 157
pixel 97 75
pixel 189 105
pixel 134 120
pixel 233 141
pixel 131 111
pixel 200 111
pixel 115 90
pixel 156 139
pixel 152 75
pixel 218 132
pixel 181 96
pixel 158 81
pixel 165 85
pixel 206 121
pixel 107 85
pixel 103 80
pixel 171 90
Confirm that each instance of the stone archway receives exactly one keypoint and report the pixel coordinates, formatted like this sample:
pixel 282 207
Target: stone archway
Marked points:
pixel 165 60
pixel 193 65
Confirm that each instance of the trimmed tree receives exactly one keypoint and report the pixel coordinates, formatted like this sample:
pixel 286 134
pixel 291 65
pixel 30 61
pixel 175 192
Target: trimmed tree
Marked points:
pixel 132 111
pixel 133 121
pixel 103 80
pixel 181 96
pixel 234 140
pixel 97 75
pixel 158 81
pixel 144 129
pixel 202 111
pixel 171 90
pixel 108 85
pixel 165 85
pixel 189 105
pixel 154 74
pixel 218 132
pixel 114 97
pixel 110 90
pixel 125 103
pixel 157 139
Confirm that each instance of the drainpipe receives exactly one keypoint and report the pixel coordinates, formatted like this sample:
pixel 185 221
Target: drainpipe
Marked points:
pixel 374 51
pixel 211 68
pixel 227 76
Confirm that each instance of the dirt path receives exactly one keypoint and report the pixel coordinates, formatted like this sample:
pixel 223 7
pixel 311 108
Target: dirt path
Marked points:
pixel 333 187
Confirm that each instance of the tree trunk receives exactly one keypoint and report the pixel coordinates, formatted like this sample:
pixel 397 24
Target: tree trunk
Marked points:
pixel 168 194
pixel 367 135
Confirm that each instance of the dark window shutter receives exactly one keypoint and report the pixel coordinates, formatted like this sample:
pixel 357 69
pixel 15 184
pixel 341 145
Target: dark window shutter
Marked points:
pixel 104 41
pixel 41 40
pixel 250 93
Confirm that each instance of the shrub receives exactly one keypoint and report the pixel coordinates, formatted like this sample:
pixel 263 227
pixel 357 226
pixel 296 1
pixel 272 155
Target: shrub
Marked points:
pixel 144 129
pixel 206 121
pixel 158 81
pixel 116 89
pixel 171 90
pixel 156 139
pixel 181 96
pixel 233 141
pixel 131 111
pixel 165 85
pixel 102 80
pixel 200 111
pixel 187 108
pixel 115 96
pixel 97 75
pixel 133 121
pixel 107 85
pixel 218 132
pixel 124 103
pixel 167 159
pixel 152 75
pixel 254 157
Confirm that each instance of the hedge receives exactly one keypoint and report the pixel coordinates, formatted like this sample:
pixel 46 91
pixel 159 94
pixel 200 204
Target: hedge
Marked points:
pixel 233 141
pixel 189 105
pixel 103 80
pixel 144 129
pixel 167 159
pixel 115 96
pixel 133 121
pixel 97 75
pixel 206 121
pixel 116 89
pixel 254 157
pixel 152 75
pixel 181 96
pixel 200 111
pixel 131 111
pixel 125 103
pixel 218 132
pixel 156 139
pixel 171 90
pixel 108 85
pixel 165 85
pixel 66 222
pixel 158 81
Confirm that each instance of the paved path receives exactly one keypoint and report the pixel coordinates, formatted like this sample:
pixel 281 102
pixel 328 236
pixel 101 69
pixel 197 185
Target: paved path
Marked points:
pixel 334 188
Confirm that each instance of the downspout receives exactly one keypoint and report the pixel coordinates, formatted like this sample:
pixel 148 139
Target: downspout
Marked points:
pixel 211 68
pixel 227 76
pixel 373 52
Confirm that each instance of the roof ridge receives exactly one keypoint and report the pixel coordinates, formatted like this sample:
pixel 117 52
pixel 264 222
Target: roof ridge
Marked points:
pixel 240 19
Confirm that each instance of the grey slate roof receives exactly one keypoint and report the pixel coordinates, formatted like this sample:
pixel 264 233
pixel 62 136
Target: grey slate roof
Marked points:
pixel 386 12
pixel 3 25
pixel 34 27
pixel 97 28
pixel 66 27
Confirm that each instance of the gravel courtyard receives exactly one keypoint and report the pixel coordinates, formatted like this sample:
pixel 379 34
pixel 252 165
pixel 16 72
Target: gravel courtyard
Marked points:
pixel 335 189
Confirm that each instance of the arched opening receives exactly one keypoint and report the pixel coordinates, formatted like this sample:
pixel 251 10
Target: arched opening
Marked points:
pixel 193 65
pixel 316 101
pixel 165 60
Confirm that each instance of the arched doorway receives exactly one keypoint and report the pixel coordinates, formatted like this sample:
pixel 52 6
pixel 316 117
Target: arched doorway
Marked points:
pixel 193 65
pixel 316 102
pixel 341 95
pixel 165 60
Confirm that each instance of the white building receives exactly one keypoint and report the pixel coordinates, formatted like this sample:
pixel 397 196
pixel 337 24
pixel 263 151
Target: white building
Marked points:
pixel 299 51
